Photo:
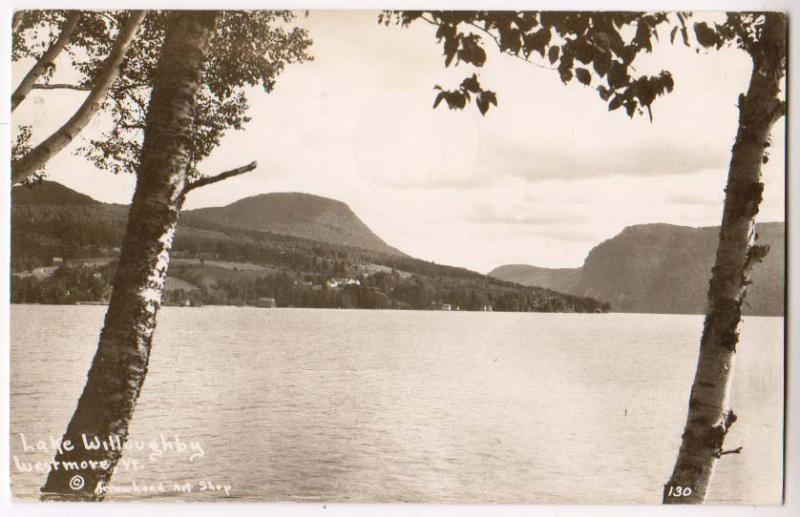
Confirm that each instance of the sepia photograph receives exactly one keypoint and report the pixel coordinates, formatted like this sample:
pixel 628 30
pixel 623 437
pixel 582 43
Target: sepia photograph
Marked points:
pixel 397 256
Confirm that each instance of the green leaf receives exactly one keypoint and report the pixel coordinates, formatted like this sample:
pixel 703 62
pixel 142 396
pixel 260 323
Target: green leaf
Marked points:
pixel 628 54
pixel 450 48
pixel 490 96
pixel 667 81
pixel 471 51
pixel 583 75
pixel 446 32
pixel 439 98
pixel 615 103
pixel 642 37
pixel 552 54
pixel 459 100
pixel 509 40
pixel 471 84
pixel 646 91
pixel 483 104
pixel 537 41
pixel 583 51
pixel 617 74
pixel 705 35
pixel 601 63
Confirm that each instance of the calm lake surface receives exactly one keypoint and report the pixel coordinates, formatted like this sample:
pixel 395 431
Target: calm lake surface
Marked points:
pixel 350 405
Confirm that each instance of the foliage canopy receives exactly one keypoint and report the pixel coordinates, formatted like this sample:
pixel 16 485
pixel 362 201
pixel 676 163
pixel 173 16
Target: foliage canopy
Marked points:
pixel 248 49
pixel 596 49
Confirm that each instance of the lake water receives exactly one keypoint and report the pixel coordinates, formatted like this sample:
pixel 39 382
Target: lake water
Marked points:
pixel 349 405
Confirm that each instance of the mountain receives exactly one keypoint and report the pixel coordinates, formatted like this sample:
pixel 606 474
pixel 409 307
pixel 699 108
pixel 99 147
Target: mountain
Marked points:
pixel 292 214
pixel 49 193
pixel 564 278
pixel 296 214
pixel 661 268
pixel 230 256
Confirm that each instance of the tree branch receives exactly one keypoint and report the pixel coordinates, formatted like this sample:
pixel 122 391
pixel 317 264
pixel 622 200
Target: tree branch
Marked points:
pixel 208 180
pixel 16 21
pixel 139 102
pixel 108 17
pixel 508 52
pixel 60 86
pixel 47 59
pixel 36 158
pixel 721 453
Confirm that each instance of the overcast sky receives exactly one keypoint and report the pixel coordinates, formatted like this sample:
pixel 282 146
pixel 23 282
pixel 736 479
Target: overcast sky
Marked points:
pixel 540 180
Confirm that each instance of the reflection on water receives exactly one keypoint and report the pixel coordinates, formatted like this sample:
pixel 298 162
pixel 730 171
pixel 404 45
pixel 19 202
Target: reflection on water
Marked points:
pixel 304 404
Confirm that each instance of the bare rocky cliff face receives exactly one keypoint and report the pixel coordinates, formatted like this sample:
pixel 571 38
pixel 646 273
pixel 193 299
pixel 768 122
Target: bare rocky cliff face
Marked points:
pixel 661 268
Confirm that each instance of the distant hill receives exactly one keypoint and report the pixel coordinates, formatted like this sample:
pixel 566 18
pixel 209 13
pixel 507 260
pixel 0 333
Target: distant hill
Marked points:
pixel 564 278
pixel 660 268
pixel 296 214
pixel 49 193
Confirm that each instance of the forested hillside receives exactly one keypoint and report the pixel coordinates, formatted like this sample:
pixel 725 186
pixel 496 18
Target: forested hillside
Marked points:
pixel 214 263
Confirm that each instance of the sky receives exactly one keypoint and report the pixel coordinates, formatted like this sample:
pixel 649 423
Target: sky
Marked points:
pixel 541 179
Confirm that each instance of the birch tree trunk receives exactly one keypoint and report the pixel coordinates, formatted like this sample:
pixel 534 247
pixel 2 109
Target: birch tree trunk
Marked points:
pixel 26 166
pixel 48 58
pixel 119 367
pixel 709 415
